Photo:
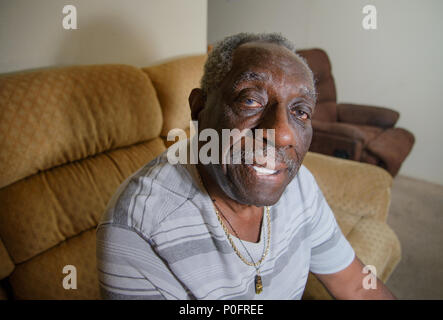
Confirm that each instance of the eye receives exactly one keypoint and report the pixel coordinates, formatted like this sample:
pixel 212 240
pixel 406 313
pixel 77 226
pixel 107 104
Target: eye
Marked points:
pixel 302 115
pixel 251 103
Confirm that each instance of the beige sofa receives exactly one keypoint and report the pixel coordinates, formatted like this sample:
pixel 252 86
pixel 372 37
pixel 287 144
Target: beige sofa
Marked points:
pixel 69 136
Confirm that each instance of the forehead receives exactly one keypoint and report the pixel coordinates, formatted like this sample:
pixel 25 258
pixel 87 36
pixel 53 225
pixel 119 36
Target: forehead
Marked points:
pixel 272 61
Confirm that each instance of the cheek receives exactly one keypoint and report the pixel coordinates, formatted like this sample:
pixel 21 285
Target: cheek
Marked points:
pixel 307 136
pixel 303 142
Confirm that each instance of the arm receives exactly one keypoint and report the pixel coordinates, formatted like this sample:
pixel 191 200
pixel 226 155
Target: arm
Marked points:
pixel 348 284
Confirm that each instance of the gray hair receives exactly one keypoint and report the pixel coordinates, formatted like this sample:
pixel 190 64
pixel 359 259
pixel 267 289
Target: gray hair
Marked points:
pixel 219 60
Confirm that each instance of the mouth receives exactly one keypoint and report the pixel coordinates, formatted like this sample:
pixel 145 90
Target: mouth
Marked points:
pixel 265 173
pixel 261 171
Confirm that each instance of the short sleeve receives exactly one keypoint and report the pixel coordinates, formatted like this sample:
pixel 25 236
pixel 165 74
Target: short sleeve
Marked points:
pixel 330 250
pixel 128 267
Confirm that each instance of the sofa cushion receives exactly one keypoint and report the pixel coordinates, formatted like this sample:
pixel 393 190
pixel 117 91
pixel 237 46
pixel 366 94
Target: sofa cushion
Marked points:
pixel 351 187
pixel 173 82
pixel 45 209
pixel 42 276
pixel 56 116
pixel 6 264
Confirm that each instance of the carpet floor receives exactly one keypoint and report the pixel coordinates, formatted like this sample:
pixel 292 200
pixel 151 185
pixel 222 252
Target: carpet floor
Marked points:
pixel 416 216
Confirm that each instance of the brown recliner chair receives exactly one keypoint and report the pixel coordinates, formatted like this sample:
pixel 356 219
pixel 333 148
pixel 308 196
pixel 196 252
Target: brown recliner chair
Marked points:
pixel 356 132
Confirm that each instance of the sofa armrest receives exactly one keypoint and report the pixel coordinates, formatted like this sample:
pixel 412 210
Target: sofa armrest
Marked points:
pixel 352 187
pixel 367 115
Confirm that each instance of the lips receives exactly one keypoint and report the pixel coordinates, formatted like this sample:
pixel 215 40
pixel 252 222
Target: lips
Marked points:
pixel 264 171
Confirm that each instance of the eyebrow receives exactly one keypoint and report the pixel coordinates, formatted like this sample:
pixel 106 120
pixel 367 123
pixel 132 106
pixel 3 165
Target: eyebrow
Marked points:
pixel 310 93
pixel 263 77
pixel 250 76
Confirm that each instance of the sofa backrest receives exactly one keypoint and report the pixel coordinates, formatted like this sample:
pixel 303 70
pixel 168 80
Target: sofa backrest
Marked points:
pixel 173 82
pixel 68 139
pixel 318 61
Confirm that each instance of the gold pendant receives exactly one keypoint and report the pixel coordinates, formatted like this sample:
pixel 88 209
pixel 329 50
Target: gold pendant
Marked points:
pixel 258 285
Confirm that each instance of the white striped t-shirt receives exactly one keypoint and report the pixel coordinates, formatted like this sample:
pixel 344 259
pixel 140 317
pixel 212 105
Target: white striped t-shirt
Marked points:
pixel 160 239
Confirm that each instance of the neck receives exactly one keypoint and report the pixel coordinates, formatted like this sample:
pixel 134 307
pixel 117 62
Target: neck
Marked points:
pixel 228 205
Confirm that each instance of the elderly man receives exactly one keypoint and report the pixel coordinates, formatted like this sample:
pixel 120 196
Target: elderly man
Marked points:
pixel 233 231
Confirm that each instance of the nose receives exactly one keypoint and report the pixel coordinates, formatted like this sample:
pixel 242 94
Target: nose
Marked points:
pixel 277 118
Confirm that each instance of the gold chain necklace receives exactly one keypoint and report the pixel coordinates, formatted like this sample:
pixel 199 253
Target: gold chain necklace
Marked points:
pixel 256 265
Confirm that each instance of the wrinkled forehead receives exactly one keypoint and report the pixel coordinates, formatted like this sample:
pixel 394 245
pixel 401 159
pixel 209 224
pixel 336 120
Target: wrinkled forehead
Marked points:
pixel 269 59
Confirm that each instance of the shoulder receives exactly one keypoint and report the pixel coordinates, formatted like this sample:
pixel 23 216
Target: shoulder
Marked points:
pixel 150 195
pixel 303 185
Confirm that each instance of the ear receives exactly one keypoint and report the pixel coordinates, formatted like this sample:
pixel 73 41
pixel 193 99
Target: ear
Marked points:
pixel 196 102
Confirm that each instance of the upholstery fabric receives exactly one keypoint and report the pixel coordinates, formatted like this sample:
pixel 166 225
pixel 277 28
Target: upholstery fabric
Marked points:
pixel 326 143
pixel 367 115
pixel 179 76
pixel 341 129
pixel 42 276
pixel 325 111
pixel 47 208
pixel 3 293
pixel 392 147
pixel 363 133
pixel 52 117
pixel 6 264
pixel 352 187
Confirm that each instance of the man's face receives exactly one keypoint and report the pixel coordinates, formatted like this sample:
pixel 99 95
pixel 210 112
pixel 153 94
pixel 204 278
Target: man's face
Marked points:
pixel 268 87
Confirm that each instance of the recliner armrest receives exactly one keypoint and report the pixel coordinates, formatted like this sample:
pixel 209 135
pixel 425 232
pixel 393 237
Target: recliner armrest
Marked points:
pixel 336 128
pixel 367 115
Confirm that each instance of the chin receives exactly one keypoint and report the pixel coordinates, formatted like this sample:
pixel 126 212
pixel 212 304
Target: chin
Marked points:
pixel 260 199
pixel 248 188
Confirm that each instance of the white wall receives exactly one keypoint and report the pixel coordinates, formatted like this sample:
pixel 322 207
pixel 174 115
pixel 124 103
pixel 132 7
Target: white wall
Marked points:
pixel 137 32
pixel 227 17
pixel 399 65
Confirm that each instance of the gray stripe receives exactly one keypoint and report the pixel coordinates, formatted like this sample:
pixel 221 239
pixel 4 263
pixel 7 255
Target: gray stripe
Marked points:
pixel 119 275
pixel 146 200
pixel 123 203
pixel 194 247
pixel 248 278
pixel 127 289
pixel 327 244
pixel 182 227
pixel 109 295
pixel 155 289
pixel 147 172
pixel 222 245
